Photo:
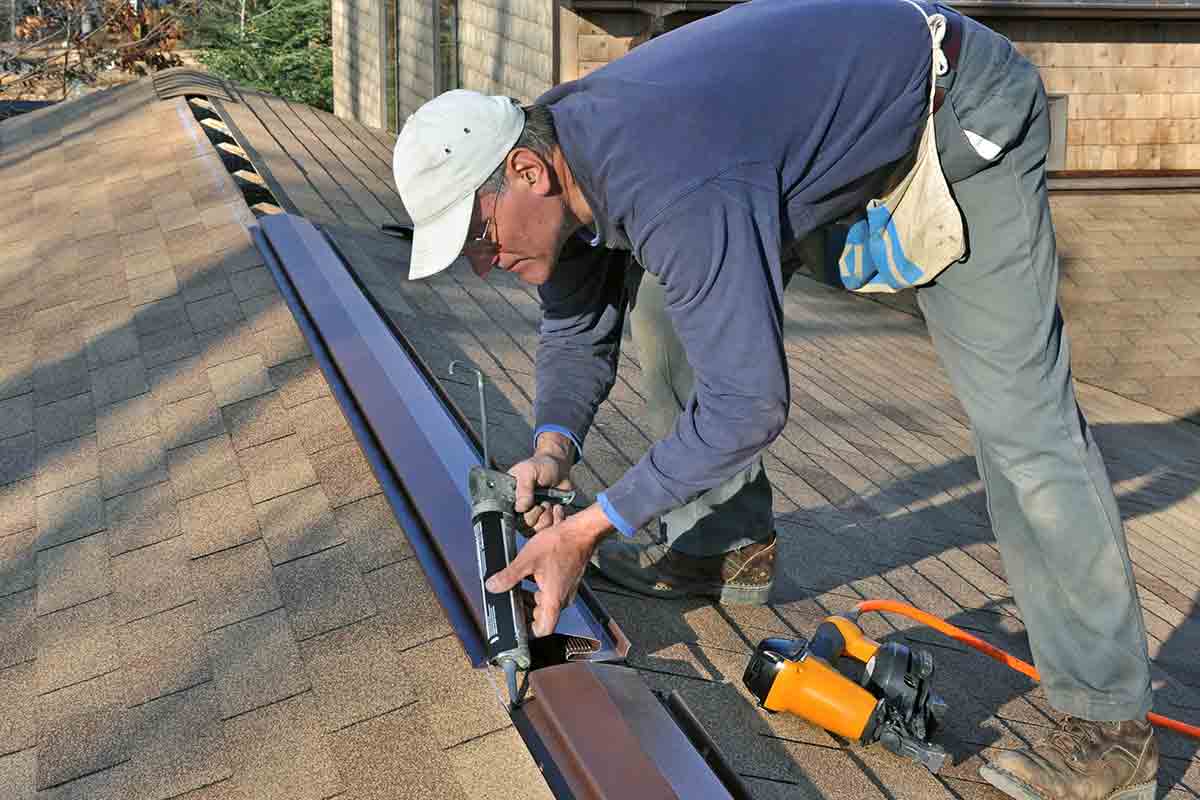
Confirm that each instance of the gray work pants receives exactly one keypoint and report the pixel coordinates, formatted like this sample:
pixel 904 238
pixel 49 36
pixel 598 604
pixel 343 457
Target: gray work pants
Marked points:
pixel 995 322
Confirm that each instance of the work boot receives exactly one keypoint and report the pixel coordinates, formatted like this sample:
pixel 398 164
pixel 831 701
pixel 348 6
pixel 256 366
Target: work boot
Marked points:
pixel 739 577
pixel 1082 760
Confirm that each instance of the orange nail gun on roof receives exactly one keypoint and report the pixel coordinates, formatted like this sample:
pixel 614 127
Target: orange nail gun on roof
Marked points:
pixel 894 703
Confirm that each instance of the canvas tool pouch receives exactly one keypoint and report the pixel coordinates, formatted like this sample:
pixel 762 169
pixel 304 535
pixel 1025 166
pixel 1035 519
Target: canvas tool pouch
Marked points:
pixel 915 230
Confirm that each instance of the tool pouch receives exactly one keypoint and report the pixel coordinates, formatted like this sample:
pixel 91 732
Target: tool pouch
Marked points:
pixel 915 230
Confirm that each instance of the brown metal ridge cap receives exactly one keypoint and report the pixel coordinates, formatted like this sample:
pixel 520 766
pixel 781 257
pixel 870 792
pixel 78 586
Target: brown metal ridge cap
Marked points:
pixel 610 737
pixel 424 447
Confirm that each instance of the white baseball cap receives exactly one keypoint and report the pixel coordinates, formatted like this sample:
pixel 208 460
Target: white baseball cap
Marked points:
pixel 444 153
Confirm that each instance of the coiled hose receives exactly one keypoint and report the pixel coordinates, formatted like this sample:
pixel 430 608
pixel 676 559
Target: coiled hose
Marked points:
pixel 1007 659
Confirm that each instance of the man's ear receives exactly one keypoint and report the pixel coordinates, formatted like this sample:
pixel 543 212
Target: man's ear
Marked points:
pixel 532 171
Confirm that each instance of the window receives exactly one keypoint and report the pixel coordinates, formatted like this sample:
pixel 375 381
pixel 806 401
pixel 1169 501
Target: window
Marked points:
pixel 446 45
pixel 1056 107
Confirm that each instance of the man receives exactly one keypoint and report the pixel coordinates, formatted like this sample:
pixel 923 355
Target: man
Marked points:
pixel 707 152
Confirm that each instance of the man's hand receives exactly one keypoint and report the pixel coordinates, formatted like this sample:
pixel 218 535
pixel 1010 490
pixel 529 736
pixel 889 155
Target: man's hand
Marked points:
pixel 556 558
pixel 548 467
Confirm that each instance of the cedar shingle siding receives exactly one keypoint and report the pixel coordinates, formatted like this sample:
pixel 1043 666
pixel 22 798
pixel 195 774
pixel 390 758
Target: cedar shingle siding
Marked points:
pixel 358 61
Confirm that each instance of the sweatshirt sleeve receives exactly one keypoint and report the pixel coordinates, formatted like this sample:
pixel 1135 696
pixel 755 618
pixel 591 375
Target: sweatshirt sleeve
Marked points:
pixel 583 308
pixel 717 252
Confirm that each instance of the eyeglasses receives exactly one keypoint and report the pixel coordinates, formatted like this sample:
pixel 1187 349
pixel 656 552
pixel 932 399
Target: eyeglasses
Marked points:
pixel 482 241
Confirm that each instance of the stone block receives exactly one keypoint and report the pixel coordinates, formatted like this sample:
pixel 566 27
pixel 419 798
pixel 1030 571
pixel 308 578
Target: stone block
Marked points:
pixel 255 663
pixel 164 653
pixel 127 421
pixel 323 591
pixel 203 466
pixel 235 584
pixel 238 380
pixel 131 466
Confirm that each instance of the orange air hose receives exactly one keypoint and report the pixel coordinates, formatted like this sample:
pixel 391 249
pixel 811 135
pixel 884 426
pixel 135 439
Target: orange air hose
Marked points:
pixel 1008 660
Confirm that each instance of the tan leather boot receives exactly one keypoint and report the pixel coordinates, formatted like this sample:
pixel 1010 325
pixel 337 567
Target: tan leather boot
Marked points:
pixel 1082 760
pixel 741 577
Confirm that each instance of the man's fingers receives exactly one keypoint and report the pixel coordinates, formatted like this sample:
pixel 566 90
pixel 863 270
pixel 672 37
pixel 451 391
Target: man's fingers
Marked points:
pixel 534 515
pixel 508 577
pixel 545 617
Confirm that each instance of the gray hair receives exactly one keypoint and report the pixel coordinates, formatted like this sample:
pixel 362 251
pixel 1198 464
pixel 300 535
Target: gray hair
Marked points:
pixel 538 135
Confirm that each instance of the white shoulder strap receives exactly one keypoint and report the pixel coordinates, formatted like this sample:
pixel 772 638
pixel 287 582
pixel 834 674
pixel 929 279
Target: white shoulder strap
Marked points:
pixel 937 31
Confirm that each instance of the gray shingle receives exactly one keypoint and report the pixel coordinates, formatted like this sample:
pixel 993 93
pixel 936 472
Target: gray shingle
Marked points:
pixel 66 419
pixel 16 415
pixel 299 381
pixel 374 536
pixel 199 280
pixel 60 379
pixel 203 466
pixel 218 520
pixel 266 311
pixel 230 343
pixel 18 562
pixel 16 377
pixel 253 283
pixel 280 753
pixel 83 729
pixel 17 642
pixel 17 507
pixel 255 662
pixel 107 784
pixel 112 346
pixel 345 474
pixel 520 776
pixel 323 591
pixel 190 420
pixel 155 316
pixel 235 584
pixel 141 518
pixel 406 604
pixel 154 286
pixel 126 421
pixel 18 723
pixel 297 524
pixel 178 744
pixel 16 457
pixel 214 312
pixel 374 766
pixel 70 513
pixel 67 464
pixel 257 420
pixel 73 573
pixel 357 672
pixel 320 424
pixel 75 644
pixel 237 380
pixel 119 382
pixel 276 468
pixel 152 579
pixel 282 343
pixel 18 774
pixel 134 465
pixel 164 653
pixel 178 380
pixel 167 345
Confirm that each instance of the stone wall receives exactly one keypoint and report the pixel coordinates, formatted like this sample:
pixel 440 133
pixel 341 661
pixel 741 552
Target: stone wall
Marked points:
pixel 358 61
pixel 1133 88
pixel 507 46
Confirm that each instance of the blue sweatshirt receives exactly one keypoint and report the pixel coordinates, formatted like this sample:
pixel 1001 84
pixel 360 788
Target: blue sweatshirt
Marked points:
pixel 705 152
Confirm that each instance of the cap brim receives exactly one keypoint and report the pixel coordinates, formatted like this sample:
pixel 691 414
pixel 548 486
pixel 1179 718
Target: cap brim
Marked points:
pixel 438 242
